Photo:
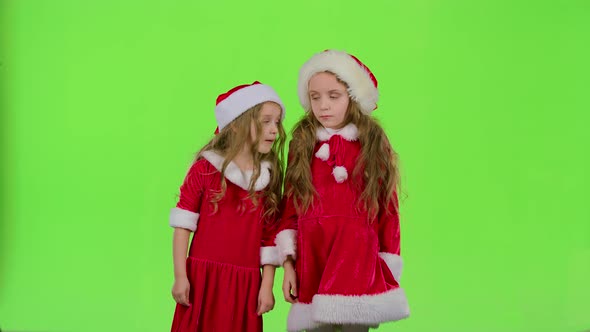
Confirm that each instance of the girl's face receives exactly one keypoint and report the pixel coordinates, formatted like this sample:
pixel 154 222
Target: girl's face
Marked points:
pixel 270 120
pixel 329 100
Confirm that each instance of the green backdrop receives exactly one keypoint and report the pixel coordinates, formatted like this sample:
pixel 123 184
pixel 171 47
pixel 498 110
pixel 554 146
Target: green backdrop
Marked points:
pixel 105 102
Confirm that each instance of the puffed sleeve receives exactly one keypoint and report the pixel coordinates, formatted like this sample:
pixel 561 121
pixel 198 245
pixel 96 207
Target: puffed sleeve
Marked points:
pixel 186 213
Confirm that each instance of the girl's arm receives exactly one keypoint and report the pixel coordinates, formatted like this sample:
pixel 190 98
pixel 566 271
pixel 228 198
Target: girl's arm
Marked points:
pixel 289 280
pixel 179 249
pixel 184 218
pixel 286 235
pixel 181 287
pixel 266 299
pixel 286 241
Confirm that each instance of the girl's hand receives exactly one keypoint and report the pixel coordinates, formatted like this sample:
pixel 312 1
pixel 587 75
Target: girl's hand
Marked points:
pixel 266 299
pixel 181 290
pixel 289 282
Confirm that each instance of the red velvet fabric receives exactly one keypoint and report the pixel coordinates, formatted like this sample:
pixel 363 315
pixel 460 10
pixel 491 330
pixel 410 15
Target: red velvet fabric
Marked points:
pixel 337 248
pixel 223 266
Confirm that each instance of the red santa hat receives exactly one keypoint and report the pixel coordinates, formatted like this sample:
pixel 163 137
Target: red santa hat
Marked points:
pixel 238 100
pixel 362 84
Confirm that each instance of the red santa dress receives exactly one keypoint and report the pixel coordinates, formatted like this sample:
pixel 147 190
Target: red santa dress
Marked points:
pixel 227 249
pixel 348 270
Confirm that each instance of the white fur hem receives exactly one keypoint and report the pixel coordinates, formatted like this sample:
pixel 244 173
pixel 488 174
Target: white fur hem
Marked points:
pixel 394 263
pixel 299 318
pixel 286 241
pixel 269 255
pixel 184 219
pixel 235 175
pixel 364 309
pixel 340 309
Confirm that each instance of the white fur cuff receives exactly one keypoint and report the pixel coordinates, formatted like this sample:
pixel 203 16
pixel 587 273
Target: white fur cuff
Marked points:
pixel 394 263
pixel 286 242
pixel 184 219
pixel 269 256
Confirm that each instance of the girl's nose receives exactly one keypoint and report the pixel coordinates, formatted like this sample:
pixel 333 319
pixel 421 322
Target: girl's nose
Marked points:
pixel 324 104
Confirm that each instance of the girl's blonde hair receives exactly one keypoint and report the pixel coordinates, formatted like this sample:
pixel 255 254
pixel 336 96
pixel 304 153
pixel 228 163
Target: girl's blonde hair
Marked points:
pixel 378 162
pixel 232 139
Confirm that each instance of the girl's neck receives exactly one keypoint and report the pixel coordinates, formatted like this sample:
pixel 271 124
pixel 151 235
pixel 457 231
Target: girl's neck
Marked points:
pixel 244 159
pixel 333 131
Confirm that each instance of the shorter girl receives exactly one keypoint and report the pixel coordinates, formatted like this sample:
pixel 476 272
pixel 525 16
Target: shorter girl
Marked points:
pixel 229 199
pixel 340 190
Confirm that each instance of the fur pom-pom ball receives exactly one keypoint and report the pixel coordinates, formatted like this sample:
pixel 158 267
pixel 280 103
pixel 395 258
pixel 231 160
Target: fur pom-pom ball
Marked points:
pixel 323 152
pixel 340 174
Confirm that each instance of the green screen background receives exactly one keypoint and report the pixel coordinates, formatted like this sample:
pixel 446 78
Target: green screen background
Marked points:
pixel 105 102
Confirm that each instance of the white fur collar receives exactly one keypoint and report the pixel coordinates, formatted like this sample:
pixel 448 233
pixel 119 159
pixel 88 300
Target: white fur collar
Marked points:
pixel 235 175
pixel 349 132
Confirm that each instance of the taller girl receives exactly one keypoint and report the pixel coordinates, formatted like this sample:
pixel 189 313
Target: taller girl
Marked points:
pixel 341 204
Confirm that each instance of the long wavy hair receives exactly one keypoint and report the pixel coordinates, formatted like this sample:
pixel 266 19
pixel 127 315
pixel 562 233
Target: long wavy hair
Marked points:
pixel 378 162
pixel 231 140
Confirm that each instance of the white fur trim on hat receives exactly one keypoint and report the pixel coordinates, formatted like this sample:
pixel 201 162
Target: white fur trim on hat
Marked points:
pixel 235 175
pixel 323 152
pixel 368 310
pixel 269 255
pixel 180 218
pixel 394 263
pixel 349 132
pixel 360 85
pixel 242 100
pixel 286 241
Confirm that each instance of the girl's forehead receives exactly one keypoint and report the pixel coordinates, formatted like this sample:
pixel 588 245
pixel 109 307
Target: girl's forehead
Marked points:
pixel 270 108
pixel 322 81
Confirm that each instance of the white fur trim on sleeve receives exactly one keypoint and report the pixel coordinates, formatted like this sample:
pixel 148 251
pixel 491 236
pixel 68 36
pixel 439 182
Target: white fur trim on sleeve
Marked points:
pixel 286 242
pixel 394 263
pixel 323 152
pixel 184 219
pixel 269 255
